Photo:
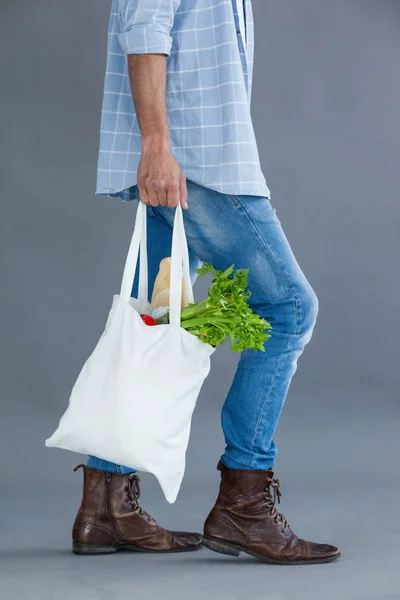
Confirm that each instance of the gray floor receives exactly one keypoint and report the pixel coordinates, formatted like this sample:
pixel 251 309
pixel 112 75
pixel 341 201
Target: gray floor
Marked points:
pixel 326 111
pixel 340 482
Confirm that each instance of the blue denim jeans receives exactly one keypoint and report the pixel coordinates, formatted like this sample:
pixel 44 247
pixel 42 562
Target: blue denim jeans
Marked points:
pixel 244 231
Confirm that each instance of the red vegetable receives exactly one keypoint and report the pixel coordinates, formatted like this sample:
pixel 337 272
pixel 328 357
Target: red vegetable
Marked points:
pixel 149 320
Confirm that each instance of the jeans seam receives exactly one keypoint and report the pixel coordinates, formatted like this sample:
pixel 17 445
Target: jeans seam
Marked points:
pixel 292 337
pixel 261 415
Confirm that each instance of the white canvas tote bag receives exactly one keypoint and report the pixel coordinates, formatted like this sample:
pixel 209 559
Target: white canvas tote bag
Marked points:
pixel 133 401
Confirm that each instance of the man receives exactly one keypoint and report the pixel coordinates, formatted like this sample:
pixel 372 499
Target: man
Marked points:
pixel 176 128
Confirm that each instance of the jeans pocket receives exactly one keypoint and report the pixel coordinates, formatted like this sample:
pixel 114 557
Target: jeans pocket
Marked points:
pixel 235 200
pixel 151 212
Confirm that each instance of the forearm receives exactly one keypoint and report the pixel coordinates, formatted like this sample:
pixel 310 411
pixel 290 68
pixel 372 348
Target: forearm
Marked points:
pixel 147 76
pixel 159 177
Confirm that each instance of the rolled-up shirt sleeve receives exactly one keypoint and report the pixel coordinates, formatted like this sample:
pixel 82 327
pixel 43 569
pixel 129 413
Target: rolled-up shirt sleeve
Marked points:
pixel 146 25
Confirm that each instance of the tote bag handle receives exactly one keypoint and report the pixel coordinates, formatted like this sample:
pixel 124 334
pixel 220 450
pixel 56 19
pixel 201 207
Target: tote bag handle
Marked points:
pixel 179 264
pixel 179 267
pixel 138 241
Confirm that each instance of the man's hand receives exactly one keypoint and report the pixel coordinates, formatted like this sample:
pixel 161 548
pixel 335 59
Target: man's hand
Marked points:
pixel 160 179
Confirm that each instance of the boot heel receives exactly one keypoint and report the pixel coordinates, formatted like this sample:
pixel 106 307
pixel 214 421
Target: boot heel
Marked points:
pixel 90 549
pixel 220 546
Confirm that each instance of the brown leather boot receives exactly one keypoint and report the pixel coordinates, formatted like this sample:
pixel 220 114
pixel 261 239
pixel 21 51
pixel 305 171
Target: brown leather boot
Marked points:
pixel 244 519
pixel 110 519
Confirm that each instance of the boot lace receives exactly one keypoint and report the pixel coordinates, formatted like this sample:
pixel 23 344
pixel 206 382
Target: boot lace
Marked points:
pixel 272 499
pixel 134 495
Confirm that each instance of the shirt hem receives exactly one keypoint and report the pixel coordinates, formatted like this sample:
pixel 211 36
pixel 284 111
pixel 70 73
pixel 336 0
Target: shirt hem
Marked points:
pixel 127 194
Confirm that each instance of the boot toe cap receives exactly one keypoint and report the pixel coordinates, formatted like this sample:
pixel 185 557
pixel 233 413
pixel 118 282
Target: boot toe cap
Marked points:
pixel 321 552
pixel 183 540
pixel 330 551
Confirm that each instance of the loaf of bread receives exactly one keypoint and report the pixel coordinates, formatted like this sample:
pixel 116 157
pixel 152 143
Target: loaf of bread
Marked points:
pixel 161 290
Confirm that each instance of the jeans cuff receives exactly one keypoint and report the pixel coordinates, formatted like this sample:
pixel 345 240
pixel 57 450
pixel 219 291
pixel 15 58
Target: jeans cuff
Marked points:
pixel 110 467
pixel 259 464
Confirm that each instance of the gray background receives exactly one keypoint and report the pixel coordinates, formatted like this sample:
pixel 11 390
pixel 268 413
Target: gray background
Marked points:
pixel 325 106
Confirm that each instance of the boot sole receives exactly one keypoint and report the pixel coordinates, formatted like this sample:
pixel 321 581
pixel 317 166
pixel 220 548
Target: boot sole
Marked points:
pixel 230 549
pixel 97 549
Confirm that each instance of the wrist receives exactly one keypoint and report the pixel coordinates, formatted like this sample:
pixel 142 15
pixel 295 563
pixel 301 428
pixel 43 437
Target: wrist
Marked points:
pixel 156 143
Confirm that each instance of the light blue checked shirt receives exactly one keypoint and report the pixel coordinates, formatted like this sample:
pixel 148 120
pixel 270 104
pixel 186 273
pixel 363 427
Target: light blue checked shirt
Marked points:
pixel 209 46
